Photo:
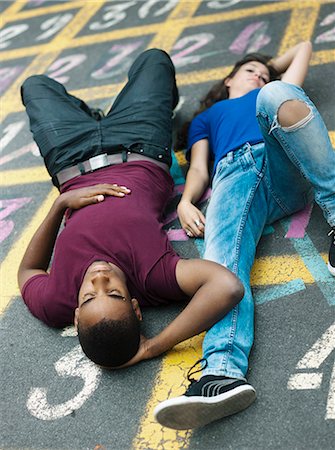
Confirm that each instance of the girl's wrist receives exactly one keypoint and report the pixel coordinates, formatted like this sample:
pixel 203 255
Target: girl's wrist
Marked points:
pixel 185 201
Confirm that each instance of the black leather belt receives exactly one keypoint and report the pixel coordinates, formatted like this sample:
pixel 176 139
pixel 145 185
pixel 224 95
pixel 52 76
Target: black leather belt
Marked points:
pixel 103 160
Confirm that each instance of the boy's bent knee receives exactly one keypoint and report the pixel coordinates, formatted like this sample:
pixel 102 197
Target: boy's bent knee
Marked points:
pixel 33 80
pixel 154 56
pixel 156 53
pixel 30 84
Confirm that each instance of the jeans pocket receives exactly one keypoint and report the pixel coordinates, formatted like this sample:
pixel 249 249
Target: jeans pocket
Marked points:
pixel 220 171
pixel 254 159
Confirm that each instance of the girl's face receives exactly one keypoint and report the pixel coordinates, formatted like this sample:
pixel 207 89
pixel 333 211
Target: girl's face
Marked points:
pixel 250 76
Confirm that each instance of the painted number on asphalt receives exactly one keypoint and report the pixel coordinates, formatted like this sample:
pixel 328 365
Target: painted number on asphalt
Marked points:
pixel 310 376
pixel 73 364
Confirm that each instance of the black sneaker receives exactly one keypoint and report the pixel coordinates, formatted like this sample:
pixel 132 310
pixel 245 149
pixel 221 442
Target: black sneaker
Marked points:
pixel 208 399
pixel 331 259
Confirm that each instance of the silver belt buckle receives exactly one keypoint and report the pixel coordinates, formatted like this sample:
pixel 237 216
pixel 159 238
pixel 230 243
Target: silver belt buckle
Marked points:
pixel 96 162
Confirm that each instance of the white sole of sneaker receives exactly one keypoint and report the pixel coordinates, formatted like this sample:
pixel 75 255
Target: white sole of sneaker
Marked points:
pixel 331 269
pixel 182 413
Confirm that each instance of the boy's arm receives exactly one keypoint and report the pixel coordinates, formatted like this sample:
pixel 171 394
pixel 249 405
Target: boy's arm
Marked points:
pixel 214 291
pixel 39 251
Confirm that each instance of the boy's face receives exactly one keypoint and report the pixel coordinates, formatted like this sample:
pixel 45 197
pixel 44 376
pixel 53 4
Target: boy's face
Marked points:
pixel 103 295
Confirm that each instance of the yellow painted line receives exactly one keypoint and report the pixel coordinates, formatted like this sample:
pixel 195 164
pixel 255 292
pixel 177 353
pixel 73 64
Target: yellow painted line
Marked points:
pixel 35 12
pixel 24 52
pixel 14 13
pixel 169 32
pixel 85 41
pixel 111 90
pixel 171 381
pixel 30 175
pixel 203 76
pixel 11 100
pixel 175 22
pixel 252 12
pixel 9 267
pixel 150 434
pixel 279 269
pixel 39 174
pixel 323 57
pixel 8 13
pixel 188 78
pixel 271 270
pixel 332 138
pixel 88 10
pixel 300 27
pixel 177 362
pixel 180 157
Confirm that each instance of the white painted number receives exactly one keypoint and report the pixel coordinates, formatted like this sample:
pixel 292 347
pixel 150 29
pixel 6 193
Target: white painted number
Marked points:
pixel 51 26
pixel 119 59
pixel 144 11
pixel 221 4
pixel 311 378
pixel 9 33
pixel 10 132
pixel 73 364
pixel 114 14
pixel 188 45
pixel 64 65
pixel 327 36
pixel 251 39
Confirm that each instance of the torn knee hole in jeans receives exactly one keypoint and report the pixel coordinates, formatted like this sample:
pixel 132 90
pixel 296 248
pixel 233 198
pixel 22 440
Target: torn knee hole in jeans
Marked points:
pixel 294 114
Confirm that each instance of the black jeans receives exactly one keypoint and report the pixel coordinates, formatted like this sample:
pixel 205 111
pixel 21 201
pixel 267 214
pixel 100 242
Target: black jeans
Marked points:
pixel 141 116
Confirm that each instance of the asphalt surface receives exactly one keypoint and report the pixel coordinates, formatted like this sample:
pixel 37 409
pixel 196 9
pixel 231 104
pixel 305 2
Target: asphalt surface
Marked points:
pixel 52 397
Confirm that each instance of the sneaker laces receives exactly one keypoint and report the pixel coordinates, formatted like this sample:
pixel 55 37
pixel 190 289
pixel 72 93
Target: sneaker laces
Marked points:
pixel 192 372
pixel 332 232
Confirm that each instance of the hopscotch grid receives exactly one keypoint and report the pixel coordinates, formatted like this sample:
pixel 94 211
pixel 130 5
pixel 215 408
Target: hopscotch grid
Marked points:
pixel 183 79
pixel 35 12
pixel 182 24
pixel 217 16
pixel 300 26
pixel 148 29
pixel 321 57
pixel 44 60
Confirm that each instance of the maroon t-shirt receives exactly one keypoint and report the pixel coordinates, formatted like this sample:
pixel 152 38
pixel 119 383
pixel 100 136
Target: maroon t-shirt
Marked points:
pixel 125 231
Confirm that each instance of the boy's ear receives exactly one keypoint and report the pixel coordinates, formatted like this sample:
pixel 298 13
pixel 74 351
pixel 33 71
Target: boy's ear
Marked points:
pixel 136 308
pixel 76 318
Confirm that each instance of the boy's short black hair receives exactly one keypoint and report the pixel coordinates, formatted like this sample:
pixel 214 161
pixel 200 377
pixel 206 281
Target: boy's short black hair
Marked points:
pixel 111 343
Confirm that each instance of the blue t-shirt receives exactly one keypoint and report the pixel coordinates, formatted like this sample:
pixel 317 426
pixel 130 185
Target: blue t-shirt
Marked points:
pixel 227 125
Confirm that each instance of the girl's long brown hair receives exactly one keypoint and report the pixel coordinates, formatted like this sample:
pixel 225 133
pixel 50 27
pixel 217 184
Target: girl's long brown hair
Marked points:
pixel 220 92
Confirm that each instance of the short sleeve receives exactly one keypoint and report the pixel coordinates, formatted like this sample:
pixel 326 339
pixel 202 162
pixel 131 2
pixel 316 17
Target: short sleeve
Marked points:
pixel 161 282
pixel 43 304
pixel 199 129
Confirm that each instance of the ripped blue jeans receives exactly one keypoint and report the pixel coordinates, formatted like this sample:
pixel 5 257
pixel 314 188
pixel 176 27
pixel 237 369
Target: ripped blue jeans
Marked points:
pixel 254 186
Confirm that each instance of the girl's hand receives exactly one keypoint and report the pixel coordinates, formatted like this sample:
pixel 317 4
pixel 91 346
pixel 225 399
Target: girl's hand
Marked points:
pixel 191 218
pixel 78 198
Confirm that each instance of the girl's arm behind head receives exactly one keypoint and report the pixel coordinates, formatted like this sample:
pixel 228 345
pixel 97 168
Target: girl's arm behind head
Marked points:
pixel 294 63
